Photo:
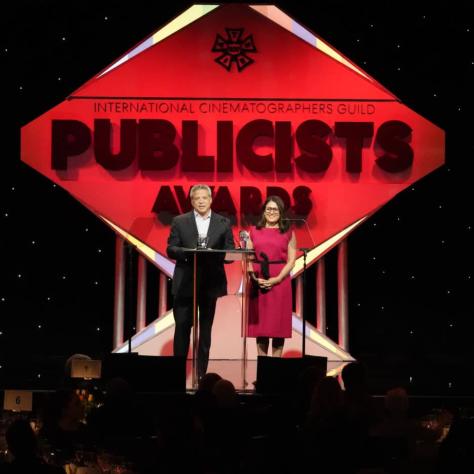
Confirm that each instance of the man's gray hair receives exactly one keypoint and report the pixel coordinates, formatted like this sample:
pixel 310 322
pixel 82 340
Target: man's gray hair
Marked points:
pixel 198 187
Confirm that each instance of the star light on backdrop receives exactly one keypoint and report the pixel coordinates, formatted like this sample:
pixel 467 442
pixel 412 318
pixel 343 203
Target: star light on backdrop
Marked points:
pixel 410 265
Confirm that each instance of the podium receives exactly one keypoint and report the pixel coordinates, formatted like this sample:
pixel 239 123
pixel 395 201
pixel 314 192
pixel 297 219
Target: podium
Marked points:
pixel 230 255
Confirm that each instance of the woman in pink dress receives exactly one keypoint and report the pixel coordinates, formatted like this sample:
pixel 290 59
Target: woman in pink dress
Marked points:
pixel 270 303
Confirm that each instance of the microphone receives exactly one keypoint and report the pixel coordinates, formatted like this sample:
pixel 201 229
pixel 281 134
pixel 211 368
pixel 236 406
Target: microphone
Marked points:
pixel 303 224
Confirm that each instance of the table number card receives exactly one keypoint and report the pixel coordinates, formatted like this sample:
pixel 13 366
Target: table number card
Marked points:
pixel 86 369
pixel 18 400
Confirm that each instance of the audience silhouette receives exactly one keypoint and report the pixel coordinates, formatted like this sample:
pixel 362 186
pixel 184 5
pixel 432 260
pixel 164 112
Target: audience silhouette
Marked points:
pixel 218 431
pixel 63 428
pixel 23 445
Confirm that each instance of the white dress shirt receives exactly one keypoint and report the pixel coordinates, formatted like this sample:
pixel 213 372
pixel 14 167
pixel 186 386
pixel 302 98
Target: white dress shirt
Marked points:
pixel 202 223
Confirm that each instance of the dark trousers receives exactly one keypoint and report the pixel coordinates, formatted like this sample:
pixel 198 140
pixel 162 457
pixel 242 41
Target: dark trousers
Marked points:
pixel 183 317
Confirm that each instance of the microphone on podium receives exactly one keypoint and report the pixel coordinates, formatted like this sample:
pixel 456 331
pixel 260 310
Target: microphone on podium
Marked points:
pixel 303 223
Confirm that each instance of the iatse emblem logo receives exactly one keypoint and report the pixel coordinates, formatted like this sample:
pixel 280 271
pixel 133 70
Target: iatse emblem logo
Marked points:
pixel 234 49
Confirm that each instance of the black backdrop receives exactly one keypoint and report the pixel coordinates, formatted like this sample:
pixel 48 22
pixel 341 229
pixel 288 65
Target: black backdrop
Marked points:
pixel 411 310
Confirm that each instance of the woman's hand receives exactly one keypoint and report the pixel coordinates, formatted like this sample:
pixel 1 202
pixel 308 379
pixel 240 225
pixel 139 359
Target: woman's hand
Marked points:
pixel 271 282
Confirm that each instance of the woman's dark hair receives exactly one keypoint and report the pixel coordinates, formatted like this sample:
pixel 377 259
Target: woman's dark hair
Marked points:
pixel 283 223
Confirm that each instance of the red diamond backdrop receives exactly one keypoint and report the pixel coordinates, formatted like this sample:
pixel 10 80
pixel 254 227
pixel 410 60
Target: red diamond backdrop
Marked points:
pixel 281 117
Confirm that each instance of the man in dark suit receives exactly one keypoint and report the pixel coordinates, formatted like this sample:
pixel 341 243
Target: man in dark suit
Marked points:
pixel 211 280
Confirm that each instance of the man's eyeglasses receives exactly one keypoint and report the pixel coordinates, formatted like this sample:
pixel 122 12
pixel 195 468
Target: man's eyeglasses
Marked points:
pixel 272 210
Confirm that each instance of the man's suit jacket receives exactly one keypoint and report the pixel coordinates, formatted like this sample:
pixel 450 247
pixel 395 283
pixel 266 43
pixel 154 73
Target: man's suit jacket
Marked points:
pixel 211 274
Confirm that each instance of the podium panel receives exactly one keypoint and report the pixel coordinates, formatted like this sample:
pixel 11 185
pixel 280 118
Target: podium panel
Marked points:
pixel 147 373
pixel 280 375
pixel 228 256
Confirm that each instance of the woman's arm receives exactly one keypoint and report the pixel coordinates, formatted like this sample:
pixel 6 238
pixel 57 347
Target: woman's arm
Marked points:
pixel 290 263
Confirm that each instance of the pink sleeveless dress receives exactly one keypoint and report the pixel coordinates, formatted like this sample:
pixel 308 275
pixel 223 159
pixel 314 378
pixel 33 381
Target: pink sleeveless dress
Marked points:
pixel 270 312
